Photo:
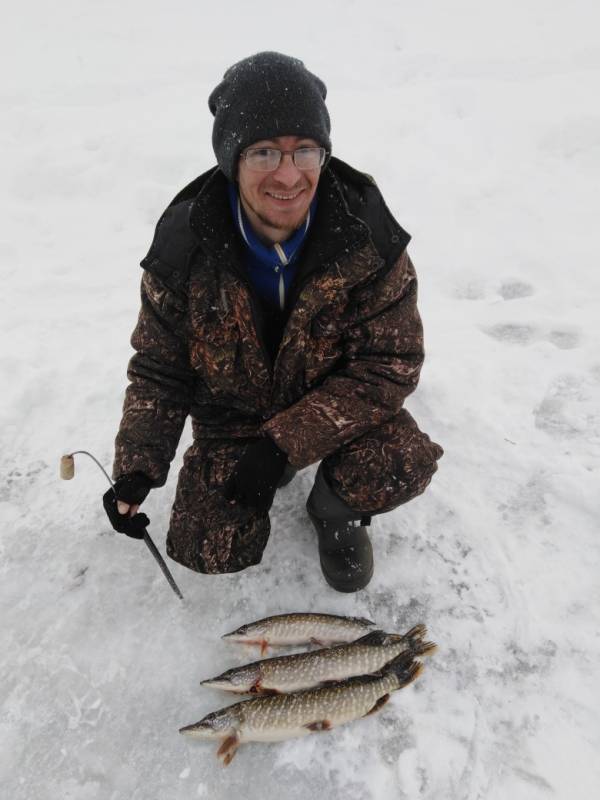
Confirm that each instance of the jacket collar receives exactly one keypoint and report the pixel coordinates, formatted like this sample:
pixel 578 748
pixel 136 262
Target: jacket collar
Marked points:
pixel 334 233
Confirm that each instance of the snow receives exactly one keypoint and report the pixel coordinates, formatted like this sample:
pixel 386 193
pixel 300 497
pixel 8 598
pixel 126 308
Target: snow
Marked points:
pixel 479 122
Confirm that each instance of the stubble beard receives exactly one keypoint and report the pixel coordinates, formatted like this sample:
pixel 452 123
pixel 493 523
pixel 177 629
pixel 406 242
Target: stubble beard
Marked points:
pixel 275 224
pixel 271 223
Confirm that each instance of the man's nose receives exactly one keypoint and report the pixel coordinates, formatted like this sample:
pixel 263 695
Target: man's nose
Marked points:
pixel 287 172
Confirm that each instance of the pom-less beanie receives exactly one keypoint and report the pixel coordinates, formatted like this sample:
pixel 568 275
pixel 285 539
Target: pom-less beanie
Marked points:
pixel 264 96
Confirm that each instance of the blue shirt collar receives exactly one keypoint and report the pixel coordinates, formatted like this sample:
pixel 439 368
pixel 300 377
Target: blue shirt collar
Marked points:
pixel 274 255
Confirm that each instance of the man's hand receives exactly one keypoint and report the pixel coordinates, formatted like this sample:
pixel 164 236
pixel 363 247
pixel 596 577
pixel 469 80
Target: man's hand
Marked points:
pixel 255 478
pixel 122 501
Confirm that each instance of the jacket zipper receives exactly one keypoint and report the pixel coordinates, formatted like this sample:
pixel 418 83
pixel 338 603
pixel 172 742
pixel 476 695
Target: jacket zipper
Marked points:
pixel 284 262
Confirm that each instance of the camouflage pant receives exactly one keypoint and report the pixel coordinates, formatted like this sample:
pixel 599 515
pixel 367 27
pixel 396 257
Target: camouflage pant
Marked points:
pixel 372 474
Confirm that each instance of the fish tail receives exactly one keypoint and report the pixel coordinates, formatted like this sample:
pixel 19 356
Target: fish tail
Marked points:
pixel 418 632
pixel 405 668
pixel 423 648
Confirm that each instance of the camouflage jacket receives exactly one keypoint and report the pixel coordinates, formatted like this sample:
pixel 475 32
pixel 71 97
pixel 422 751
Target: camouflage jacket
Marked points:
pixel 352 348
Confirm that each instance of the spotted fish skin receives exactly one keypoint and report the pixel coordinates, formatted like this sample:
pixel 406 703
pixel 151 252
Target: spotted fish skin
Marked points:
pixel 292 673
pixel 301 628
pixel 291 715
pixel 272 719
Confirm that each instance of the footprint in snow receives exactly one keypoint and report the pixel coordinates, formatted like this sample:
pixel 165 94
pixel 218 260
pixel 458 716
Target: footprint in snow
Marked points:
pixel 475 289
pixel 512 290
pixel 564 340
pixel 569 408
pixel 514 333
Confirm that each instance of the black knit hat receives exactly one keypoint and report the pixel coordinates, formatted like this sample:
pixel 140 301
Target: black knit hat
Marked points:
pixel 263 96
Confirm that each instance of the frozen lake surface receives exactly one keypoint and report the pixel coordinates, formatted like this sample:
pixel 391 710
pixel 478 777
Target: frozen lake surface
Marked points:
pixel 479 122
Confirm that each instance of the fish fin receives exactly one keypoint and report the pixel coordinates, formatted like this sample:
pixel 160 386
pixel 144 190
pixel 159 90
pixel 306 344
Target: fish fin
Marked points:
pixel 374 637
pixel 258 688
pixel 418 632
pixel 255 643
pixel 423 648
pixel 319 725
pixel 264 646
pixel 364 620
pixel 379 704
pixel 379 674
pixel 228 749
pixel 317 642
pixel 410 674
pixel 405 668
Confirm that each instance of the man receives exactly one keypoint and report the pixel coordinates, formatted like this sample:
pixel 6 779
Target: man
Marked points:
pixel 279 310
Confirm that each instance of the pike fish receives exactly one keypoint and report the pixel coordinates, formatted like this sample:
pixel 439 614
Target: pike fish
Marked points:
pixel 284 716
pixel 291 673
pixel 299 628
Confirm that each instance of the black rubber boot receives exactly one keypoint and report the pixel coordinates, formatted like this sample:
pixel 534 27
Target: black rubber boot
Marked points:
pixel 344 546
pixel 288 475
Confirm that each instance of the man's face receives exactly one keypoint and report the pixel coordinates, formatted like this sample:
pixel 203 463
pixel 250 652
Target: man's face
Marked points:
pixel 277 202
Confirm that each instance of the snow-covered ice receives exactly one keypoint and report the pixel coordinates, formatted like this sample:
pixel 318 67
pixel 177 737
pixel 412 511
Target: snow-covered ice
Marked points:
pixel 480 123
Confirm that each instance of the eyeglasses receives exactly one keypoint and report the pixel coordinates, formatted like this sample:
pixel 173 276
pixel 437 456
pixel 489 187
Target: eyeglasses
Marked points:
pixel 267 159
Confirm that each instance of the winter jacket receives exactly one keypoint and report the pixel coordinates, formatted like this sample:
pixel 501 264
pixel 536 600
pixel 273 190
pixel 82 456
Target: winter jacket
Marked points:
pixel 352 346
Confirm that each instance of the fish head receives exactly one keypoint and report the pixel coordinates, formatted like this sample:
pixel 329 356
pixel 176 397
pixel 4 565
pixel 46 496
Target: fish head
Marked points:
pixel 215 725
pixel 245 633
pixel 238 679
pixel 238 635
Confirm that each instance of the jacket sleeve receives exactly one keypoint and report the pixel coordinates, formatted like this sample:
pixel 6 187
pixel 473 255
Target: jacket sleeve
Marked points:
pixel 159 395
pixel 383 349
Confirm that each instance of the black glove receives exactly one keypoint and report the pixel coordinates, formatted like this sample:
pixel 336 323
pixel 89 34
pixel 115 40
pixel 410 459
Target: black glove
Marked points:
pixel 133 489
pixel 257 473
